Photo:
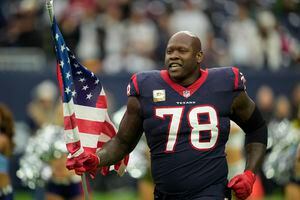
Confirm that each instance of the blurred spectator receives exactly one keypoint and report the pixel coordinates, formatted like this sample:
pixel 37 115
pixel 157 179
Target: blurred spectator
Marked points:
pixel 2 18
pixel 243 40
pixel 114 34
pixel 288 14
pixel 42 166
pixel 292 190
pixel 6 150
pixel 190 17
pixel 63 184
pixel 89 33
pixel 280 122
pixel 42 109
pixel 111 21
pixel 283 141
pixel 159 11
pixel 265 101
pixel 290 48
pixel 141 36
pixel 295 101
pixel 269 40
pixel 23 29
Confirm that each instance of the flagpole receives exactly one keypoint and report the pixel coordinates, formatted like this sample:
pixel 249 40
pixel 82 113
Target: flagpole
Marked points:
pixel 49 6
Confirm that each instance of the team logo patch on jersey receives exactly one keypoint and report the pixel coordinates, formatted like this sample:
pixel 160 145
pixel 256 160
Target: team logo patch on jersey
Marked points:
pixel 186 93
pixel 159 95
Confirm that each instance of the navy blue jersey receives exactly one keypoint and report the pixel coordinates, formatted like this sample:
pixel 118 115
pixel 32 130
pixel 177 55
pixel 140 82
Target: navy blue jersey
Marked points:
pixel 187 128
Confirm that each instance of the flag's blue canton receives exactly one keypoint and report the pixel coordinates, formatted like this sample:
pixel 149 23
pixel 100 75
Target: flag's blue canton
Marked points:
pixel 78 83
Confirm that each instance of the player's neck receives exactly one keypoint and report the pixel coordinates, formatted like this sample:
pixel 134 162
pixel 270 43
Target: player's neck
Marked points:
pixel 190 80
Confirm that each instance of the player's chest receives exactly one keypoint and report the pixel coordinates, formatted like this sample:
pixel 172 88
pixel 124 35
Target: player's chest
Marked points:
pixel 201 101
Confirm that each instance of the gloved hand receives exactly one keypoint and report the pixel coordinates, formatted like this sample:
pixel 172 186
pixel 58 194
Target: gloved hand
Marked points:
pixel 242 184
pixel 85 162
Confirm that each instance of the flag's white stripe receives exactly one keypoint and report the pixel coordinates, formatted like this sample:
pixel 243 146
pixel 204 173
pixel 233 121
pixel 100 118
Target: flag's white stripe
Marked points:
pixel 103 137
pixel 84 112
pixel 72 135
pixel 86 139
pixel 77 153
pixel 102 93
pixel 110 122
pixel 68 108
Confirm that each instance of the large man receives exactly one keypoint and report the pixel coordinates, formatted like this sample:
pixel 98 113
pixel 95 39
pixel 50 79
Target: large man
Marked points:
pixel 185 113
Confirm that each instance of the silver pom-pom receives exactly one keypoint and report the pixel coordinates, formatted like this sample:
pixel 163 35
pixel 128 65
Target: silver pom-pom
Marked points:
pixel 46 145
pixel 280 163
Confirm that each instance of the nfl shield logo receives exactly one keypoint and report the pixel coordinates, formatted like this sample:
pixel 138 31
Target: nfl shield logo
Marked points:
pixel 186 93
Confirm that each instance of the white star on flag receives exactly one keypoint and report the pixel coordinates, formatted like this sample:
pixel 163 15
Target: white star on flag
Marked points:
pixel 89 96
pixel 74 93
pixel 67 90
pixel 56 36
pixel 62 64
pixel 62 48
pixel 82 80
pixel 85 87
pixel 68 75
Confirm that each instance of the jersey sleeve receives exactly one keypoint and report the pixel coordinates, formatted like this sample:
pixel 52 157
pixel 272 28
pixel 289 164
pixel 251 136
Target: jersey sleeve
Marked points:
pixel 132 87
pixel 239 80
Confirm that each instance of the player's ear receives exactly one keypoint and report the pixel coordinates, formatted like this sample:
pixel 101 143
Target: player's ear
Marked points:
pixel 199 56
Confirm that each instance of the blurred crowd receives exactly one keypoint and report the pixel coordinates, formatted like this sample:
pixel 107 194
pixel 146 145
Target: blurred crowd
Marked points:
pixel 114 36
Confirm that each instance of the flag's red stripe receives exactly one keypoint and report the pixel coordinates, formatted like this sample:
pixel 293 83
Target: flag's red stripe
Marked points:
pixel 91 127
pixel 73 147
pixel 100 144
pixel 89 149
pixel 70 122
pixel 126 159
pixel 101 102
pixel 59 79
pixel 109 129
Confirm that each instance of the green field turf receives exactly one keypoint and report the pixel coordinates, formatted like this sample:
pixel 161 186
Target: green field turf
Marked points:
pixel 23 195
pixel 119 195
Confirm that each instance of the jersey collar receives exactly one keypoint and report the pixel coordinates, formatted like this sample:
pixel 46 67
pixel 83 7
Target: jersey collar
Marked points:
pixel 184 91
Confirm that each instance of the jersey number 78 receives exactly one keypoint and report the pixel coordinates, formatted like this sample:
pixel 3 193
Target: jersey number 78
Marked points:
pixel 196 127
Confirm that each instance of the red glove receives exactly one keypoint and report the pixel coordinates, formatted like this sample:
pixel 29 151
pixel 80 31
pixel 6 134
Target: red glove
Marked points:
pixel 242 184
pixel 75 162
pixel 85 162
pixel 104 170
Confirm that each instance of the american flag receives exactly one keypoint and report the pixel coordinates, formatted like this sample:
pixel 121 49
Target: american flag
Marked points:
pixel 86 122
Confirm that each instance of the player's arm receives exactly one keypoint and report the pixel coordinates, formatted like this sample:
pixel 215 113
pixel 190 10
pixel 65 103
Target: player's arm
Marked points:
pixel 129 133
pixel 245 113
pixel 248 117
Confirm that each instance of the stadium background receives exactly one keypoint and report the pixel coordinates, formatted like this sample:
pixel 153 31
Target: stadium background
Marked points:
pixel 117 38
